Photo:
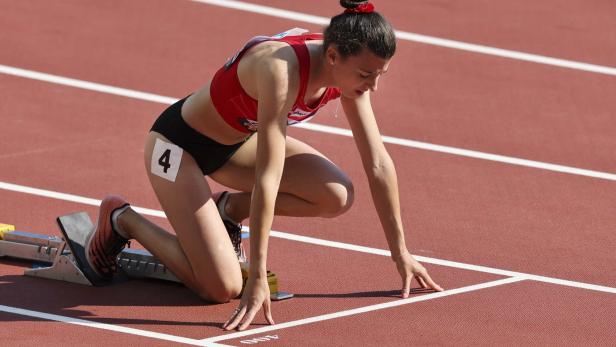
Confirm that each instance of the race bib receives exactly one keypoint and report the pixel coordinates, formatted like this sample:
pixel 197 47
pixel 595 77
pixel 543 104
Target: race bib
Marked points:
pixel 166 158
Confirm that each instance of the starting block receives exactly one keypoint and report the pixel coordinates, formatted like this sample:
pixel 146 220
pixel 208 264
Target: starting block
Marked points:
pixel 64 258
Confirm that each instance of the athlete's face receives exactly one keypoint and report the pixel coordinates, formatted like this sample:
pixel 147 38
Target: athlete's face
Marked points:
pixel 357 74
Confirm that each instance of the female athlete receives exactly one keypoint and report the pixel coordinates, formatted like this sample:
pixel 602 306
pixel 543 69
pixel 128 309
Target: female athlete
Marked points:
pixel 234 131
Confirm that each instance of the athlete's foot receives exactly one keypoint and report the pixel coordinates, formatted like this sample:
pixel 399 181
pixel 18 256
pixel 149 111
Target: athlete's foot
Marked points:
pixel 107 240
pixel 234 229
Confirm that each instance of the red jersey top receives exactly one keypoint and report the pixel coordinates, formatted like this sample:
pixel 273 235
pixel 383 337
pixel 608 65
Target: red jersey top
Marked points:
pixel 239 110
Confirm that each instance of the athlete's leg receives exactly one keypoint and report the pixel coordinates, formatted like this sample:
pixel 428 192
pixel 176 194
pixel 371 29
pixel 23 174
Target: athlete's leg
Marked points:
pixel 201 255
pixel 311 184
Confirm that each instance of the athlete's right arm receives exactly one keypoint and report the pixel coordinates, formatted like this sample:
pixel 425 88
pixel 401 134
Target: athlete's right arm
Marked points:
pixel 278 83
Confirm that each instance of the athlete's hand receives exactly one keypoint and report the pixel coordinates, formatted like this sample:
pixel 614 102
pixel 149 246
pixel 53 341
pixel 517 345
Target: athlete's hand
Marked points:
pixel 256 294
pixel 409 268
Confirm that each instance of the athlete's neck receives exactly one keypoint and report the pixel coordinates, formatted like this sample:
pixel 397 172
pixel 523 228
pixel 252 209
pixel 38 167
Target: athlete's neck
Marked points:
pixel 320 71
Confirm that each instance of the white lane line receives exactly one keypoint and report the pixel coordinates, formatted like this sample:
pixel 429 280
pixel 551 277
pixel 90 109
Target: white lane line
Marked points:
pixel 468 153
pixel 96 325
pixel 97 87
pixel 70 197
pixel 365 309
pixel 430 40
pixel 313 126
pixel 326 243
pixel 386 253
pixel 442 262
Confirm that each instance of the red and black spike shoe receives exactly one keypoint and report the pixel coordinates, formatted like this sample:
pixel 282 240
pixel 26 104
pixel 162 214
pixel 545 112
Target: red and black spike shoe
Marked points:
pixel 104 244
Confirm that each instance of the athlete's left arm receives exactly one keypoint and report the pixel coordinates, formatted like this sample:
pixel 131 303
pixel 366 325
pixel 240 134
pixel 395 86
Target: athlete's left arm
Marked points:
pixel 381 174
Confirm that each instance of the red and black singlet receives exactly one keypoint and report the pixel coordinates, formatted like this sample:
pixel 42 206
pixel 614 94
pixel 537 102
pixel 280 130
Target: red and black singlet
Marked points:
pixel 239 110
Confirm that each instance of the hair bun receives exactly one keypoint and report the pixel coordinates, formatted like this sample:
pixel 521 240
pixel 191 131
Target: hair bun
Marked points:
pixel 352 3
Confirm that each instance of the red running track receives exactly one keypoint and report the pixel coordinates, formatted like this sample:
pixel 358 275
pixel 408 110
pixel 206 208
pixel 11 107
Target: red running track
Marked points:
pixel 469 210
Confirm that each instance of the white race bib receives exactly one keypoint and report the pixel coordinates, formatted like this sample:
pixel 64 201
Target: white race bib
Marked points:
pixel 166 158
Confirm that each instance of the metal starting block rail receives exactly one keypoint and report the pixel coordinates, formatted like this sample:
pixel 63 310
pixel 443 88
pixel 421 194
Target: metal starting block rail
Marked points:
pixel 64 258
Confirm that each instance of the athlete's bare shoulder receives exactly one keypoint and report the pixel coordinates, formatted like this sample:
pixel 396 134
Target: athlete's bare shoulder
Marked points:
pixel 277 59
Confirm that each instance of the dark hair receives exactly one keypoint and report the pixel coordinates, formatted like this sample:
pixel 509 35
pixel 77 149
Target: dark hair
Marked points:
pixel 351 32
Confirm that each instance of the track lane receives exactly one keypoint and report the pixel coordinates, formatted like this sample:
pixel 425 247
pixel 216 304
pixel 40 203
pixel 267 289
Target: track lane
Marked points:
pixel 454 208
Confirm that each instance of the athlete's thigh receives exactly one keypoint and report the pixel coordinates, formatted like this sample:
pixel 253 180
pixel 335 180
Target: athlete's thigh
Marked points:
pixel 191 211
pixel 307 172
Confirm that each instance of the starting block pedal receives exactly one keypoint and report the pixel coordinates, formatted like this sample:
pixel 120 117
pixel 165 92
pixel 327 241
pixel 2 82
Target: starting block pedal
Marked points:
pixel 64 258
pixel 76 228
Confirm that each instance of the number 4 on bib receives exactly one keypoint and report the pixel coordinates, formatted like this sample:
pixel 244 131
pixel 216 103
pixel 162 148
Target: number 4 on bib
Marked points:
pixel 166 158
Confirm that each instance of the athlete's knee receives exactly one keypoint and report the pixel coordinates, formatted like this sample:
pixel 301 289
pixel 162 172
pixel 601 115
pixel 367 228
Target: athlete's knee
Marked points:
pixel 221 291
pixel 340 198
pixel 221 296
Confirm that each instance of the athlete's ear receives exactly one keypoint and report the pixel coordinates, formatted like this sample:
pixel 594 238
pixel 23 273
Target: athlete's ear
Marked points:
pixel 331 55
